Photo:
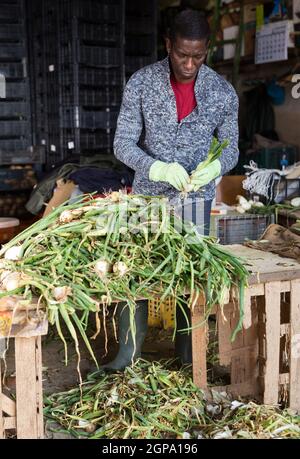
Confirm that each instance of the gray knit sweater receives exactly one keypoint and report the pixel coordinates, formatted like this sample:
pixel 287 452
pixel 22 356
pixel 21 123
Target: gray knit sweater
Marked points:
pixel 148 128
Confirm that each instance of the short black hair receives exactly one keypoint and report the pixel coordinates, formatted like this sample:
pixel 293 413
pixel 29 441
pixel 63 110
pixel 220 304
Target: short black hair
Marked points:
pixel 189 24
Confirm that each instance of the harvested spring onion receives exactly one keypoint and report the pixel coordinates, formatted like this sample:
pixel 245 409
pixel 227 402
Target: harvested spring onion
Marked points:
pixel 75 268
pixel 156 400
pixel 215 151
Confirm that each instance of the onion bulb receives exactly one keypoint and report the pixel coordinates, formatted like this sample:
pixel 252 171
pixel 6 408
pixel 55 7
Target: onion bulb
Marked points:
pixel 11 281
pixel 66 216
pixel 240 209
pixel 258 204
pixel 102 268
pixel 246 206
pixel 295 202
pixel 241 199
pixel 243 203
pixel 120 268
pixel 61 293
pixel 14 253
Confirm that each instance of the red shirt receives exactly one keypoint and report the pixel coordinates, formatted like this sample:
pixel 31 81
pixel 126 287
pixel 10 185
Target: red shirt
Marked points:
pixel 185 97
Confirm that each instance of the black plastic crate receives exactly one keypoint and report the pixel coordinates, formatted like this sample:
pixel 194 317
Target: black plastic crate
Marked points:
pixel 10 11
pixel 12 51
pixel 139 47
pixel 80 118
pixel 16 90
pixel 13 69
pixel 110 97
pixel 14 144
pixel 99 32
pixel 98 77
pixel 235 228
pixel 77 117
pixel 88 76
pixel 139 25
pixel 32 155
pixel 96 55
pixel 11 31
pixel 93 11
pixel 133 63
pixel 14 128
pixel 91 97
pixel 136 7
pixel 13 109
pixel 96 140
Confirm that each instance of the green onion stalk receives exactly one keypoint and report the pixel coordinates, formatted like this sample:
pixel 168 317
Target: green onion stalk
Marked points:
pixel 85 257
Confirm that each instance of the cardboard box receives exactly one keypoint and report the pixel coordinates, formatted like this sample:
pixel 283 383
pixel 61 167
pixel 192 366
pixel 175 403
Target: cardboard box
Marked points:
pixel 250 13
pixel 229 49
pixel 61 193
pixel 226 21
pixel 228 189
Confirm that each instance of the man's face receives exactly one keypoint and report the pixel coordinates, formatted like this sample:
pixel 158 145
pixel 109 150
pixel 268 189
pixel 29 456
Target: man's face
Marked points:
pixel 186 57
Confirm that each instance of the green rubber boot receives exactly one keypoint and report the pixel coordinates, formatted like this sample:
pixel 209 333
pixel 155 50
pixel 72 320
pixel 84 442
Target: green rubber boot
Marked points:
pixel 183 340
pixel 127 353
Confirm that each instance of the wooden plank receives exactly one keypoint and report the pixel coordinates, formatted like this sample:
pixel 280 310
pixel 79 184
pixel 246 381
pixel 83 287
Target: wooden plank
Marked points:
pixel 244 362
pixel 8 405
pixel 13 302
pixel 247 320
pixel 224 334
pixel 265 266
pixel 39 386
pixel 295 346
pixel 1 407
pixel 10 423
pixel 199 345
pixel 257 289
pixel 261 327
pixel 245 389
pixel 26 388
pixel 272 304
pixel 238 342
pixel 285 286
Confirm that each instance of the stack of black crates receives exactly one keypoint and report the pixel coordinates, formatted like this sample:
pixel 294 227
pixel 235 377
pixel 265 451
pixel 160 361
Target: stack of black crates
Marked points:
pixel 81 52
pixel 15 117
pixel 141 34
pixel 78 63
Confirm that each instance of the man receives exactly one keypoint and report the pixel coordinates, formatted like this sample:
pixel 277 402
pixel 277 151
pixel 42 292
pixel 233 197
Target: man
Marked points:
pixel 170 112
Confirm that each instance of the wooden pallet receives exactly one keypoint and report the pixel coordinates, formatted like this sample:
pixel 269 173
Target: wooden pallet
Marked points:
pixel 25 325
pixel 271 332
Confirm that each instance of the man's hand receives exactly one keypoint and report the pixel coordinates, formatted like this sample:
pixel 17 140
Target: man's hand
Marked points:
pixel 206 175
pixel 172 173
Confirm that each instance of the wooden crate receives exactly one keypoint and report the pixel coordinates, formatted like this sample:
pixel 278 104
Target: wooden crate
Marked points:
pixel 264 359
pixel 24 415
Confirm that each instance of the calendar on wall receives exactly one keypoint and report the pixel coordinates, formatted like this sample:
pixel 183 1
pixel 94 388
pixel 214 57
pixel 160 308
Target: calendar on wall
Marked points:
pixel 271 43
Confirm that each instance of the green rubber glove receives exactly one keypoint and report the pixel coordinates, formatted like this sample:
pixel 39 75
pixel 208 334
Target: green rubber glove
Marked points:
pixel 172 173
pixel 203 176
